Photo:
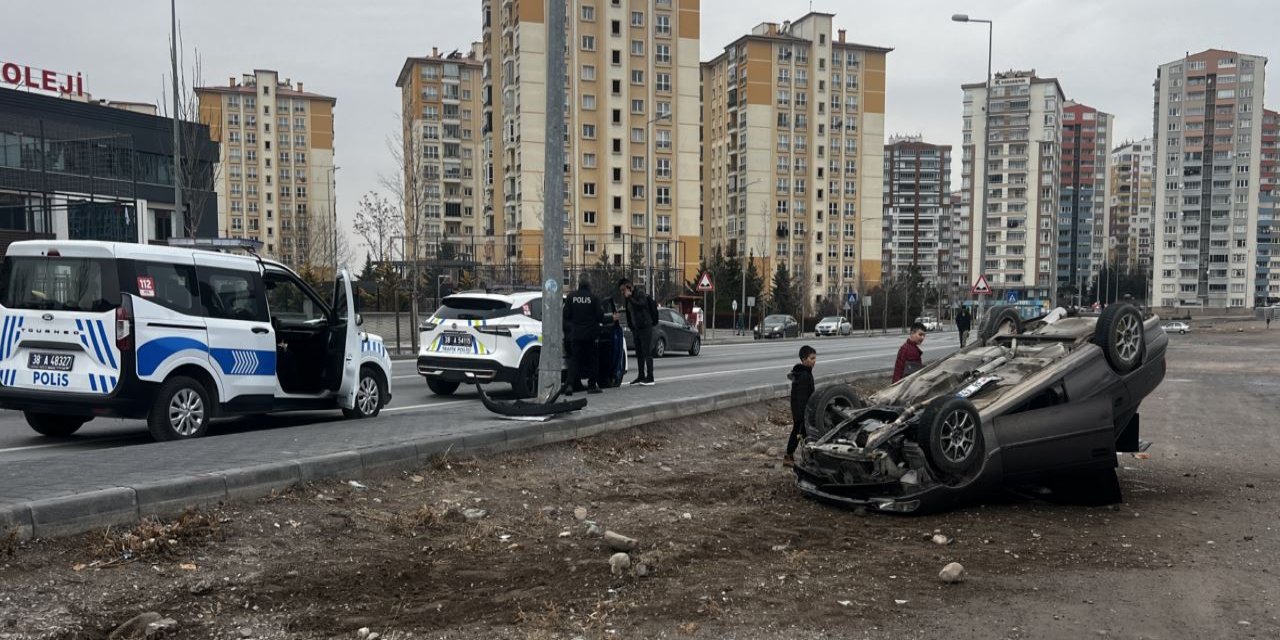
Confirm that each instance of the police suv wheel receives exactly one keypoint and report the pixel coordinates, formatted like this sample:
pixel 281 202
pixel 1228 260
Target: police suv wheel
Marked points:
pixel 371 394
pixel 180 411
pixel 53 425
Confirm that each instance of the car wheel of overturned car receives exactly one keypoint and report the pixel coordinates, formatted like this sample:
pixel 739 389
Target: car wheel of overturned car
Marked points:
pixel 951 434
pixel 53 425
pixel 442 387
pixel 1119 333
pixel 823 411
pixel 696 348
pixel 1001 320
pixel 526 384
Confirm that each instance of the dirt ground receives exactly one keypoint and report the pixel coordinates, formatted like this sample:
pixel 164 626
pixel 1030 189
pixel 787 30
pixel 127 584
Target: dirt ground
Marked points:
pixel 727 548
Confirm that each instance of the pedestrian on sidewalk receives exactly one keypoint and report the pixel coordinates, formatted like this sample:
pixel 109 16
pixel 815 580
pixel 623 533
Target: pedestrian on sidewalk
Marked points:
pixel 801 377
pixel 963 322
pixel 642 317
pixel 582 319
pixel 910 356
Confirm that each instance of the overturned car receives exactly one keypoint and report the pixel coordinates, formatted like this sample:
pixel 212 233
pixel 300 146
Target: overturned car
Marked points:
pixel 1048 402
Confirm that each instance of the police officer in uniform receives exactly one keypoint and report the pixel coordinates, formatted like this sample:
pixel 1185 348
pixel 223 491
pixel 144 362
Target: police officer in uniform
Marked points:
pixel 583 313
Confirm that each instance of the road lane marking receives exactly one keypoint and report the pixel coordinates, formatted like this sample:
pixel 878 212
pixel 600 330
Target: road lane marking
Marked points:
pixel 70 444
pixel 431 405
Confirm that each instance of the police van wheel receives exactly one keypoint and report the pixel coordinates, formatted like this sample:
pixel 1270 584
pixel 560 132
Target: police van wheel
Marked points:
pixel 181 410
pixel 53 425
pixel 371 394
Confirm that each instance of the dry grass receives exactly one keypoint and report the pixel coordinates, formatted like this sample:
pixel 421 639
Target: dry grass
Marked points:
pixel 9 544
pixel 155 539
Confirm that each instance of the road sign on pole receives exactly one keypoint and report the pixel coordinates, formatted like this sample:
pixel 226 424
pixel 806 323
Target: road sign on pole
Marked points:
pixel 851 300
pixel 1012 297
pixel 981 288
pixel 704 282
pixel 735 305
pixel 751 301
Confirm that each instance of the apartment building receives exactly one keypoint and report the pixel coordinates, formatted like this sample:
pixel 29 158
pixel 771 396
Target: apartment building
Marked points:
pixel 443 151
pixel 793 154
pixel 1131 204
pixel 1267 286
pixel 1018 147
pixel 917 208
pixel 631 153
pixel 275 176
pixel 1208 140
pixel 1083 216
pixel 956 286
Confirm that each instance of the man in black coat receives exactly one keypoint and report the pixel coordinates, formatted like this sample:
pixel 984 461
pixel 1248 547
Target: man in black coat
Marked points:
pixel 642 317
pixel 963 321
pixel 583 313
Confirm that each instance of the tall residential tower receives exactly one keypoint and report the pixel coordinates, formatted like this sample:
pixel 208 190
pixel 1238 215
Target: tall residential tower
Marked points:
pixel 1083 224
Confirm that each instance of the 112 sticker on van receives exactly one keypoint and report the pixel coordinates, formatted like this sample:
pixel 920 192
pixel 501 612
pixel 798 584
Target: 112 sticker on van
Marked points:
pixel 146 286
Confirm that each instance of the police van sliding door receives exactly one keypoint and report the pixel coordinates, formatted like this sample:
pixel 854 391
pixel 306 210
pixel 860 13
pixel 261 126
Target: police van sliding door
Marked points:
pixel 242 346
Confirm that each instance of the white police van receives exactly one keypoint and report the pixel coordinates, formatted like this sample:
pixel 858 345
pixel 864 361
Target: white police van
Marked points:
pixel 177 336
pixel 492 337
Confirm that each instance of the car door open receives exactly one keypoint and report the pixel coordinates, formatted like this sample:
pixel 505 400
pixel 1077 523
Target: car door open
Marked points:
pixel 346 340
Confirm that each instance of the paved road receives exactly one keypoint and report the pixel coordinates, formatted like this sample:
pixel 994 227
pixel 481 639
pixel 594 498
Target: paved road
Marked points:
pixel 413 405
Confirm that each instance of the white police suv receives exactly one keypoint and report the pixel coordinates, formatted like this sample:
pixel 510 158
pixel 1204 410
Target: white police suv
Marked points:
pixel 486 337
pixel 177 336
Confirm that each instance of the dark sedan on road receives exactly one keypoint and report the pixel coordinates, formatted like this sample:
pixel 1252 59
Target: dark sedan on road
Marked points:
pixel 777 326
pixel 1048 404
pixel 673 334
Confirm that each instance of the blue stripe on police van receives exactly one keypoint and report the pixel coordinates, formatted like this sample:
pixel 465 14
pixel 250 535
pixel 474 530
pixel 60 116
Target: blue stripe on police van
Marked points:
pixel 106 344
pixel 245 362
pixel 93 337
pixel 4 337
pixel 152 354
pixel 93 382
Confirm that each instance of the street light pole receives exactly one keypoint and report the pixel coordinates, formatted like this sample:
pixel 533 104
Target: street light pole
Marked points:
pixel 986 189
pixel 177 141
pixel 333 216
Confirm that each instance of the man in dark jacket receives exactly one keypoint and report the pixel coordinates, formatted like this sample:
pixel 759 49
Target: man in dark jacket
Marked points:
pixel 963 322
pixel 582 316
pixel 801 378
pixel 642 317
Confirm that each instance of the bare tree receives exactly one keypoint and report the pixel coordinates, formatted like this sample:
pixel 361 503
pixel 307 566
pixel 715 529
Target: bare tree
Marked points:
pixel 416 185
pixel 321 246
pixel 377 222
pixel 198 178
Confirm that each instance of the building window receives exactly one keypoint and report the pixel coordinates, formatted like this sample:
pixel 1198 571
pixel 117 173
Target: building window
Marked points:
pixel 664 167
pixel 637 135
pixel 589 131
pixel 588 43
pixel 589 189
pixel 588 217
pixel 663 82
pixel 662 53
pixel 663 137
pixel 588 102
pixel 637 76
pixel 637 18
pixel 637 47
pixel 662 196
pixel 589 160
pixel 588 72
pixel 662 25
pixel 637 106
pixel 637 163
pixel 588 13
pixel 664 224
pixel 637 192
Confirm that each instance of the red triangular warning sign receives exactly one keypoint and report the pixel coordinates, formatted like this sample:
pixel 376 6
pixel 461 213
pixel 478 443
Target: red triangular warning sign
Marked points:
pixel 704 282
pixel 981 288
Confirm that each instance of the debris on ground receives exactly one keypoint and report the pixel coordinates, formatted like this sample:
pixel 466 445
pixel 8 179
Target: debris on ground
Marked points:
pixel 952 573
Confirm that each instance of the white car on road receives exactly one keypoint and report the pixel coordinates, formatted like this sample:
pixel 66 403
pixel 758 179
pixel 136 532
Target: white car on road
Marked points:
pixel 930 323
pixel 833 326
pixel 1176 326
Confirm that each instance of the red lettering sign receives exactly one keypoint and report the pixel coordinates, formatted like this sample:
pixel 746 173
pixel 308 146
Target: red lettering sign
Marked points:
pixel 146 286
pixel 43 79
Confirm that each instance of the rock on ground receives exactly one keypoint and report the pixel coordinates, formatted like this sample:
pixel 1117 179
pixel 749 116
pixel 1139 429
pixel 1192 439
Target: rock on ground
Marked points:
pixel 619 542
pixel 952 573
pixel 135 627
pixel 618 563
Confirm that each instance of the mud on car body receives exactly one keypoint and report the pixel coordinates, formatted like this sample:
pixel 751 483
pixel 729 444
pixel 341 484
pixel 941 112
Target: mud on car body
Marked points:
pixel 1054 399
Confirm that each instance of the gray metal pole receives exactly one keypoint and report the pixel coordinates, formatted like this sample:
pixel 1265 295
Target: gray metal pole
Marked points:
pixel 986 176
pixel 552 356
pixel 177 141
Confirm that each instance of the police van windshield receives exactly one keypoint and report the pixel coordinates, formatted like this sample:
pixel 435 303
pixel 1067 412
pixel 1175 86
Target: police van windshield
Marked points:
pixel 457 308
pixel 60 284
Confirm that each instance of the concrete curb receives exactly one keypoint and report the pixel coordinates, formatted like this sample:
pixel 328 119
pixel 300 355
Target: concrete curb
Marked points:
pixel 125 506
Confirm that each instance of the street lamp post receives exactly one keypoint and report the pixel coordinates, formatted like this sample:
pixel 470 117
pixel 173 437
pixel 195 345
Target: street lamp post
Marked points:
pixel 649 195
pixel 742 250
pixel 333 217
pixel 986 135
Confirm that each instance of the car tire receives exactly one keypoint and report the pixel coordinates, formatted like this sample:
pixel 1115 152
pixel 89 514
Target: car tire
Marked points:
pixel 442 387
pixel 1183 332
pixel 696 348
pixel 371 395
pixel 181 410
pixel 1120 335
pixel 820 416
pixel 526 382
pixel 660 348
pixel 1001 320
pixel 54 425
pixel 950 432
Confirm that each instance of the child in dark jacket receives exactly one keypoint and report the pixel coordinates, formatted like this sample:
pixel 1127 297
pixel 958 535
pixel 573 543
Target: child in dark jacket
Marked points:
pixel 801 378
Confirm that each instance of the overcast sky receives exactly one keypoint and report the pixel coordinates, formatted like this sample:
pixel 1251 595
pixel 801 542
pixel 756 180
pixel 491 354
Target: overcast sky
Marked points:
pixel 1104 52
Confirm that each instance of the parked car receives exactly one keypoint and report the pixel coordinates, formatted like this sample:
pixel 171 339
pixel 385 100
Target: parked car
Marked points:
pixel 1178 327
pixel 833 326
pixel 176 336
pixel 1048 402
pixel 673 334
pixel 777 326
pixel 493 337
pixel 930 323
